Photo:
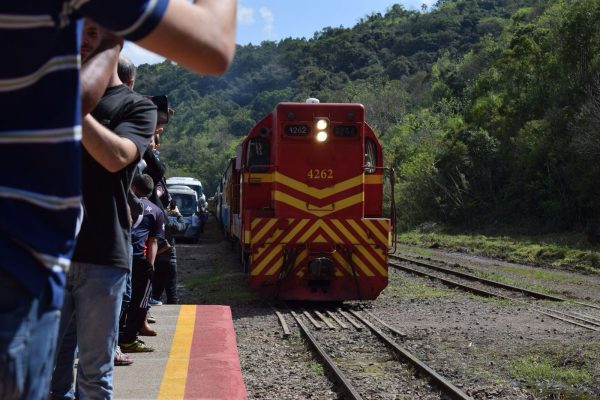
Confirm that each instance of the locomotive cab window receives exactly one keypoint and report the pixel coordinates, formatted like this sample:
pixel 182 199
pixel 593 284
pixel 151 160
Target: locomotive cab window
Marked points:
pixel 257 154
pixel 370 156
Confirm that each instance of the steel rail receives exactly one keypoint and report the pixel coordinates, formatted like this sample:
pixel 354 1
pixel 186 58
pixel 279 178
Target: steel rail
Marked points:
pixel 447 386
pixel 485 280
pixel 486 293
pixel 347 387
pixel 493 283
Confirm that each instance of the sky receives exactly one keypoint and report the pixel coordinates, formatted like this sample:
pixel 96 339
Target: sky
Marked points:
pixel 260 20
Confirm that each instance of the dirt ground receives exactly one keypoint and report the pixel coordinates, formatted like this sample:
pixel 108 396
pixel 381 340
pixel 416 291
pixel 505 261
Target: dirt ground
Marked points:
pixel 491 349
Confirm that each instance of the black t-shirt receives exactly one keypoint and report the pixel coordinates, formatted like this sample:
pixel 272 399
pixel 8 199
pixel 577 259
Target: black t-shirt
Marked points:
pixel 105 233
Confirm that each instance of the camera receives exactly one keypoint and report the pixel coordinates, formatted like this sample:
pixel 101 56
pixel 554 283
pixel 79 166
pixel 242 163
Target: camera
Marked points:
pixel 172 204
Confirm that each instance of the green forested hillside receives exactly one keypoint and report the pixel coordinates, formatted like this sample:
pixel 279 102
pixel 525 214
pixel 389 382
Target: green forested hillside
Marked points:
pixel 488 109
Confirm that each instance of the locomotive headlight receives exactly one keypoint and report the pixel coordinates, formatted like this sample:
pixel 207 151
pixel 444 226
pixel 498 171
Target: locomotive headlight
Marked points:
pixel 321 124
pixel 322 128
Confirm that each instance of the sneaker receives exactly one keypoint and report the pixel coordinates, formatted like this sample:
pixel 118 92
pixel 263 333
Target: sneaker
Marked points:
pixel 154 302
pixel 137 346
pixel 122 359
pixel 150 318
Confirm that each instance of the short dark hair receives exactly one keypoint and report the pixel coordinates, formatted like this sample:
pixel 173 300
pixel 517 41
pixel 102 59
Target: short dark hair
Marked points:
pixel 126 69
pixel 143 185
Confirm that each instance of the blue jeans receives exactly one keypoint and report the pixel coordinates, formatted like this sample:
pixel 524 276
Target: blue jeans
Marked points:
pixel 28 330
pixel 93 298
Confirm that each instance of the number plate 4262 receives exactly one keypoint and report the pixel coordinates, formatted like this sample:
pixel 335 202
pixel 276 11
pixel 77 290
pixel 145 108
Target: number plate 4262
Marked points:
pixel 316 173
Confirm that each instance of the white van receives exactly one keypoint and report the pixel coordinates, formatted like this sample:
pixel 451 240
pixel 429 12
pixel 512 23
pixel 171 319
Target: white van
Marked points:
pixel 187 203
pixel 190 182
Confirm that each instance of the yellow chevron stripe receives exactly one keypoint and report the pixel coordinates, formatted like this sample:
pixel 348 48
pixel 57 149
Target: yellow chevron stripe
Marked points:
pixel 246 237
pixel 331 233
pixel 300 260
pixel 375 231
pixel 264 230
pixel 319 212
pixel 320 239
pixel 258 269
pixel 373 179
pixel 303 187
pixel 374 263
pixel 366 270
pixel 361 231
pixel 338 224
pixel 260 251
pixel 318 193
pixel 310 231
pixel 342 261
pixel 255 222
pixel 301 224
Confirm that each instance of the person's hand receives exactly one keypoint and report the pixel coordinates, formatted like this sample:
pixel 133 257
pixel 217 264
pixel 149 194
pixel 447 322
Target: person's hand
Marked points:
pixel 109 39
pixel 174 211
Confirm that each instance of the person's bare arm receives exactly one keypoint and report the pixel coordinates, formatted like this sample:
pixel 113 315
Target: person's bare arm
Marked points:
pixel 97 69
pixel 110 150
pixel 199 36
pixel 152 248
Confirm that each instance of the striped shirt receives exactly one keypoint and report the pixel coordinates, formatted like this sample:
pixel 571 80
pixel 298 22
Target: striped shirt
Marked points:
pixel 40 128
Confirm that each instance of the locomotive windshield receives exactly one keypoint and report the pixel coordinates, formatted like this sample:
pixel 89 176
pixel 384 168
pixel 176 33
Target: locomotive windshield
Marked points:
pixel 257 153
pixel 370 156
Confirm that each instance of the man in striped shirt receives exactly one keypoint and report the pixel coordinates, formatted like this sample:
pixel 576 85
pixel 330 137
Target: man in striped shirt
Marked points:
pixel 42 100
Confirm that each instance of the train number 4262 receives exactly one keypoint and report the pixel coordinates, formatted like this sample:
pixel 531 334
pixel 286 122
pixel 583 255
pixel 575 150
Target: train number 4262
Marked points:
pixel 316 173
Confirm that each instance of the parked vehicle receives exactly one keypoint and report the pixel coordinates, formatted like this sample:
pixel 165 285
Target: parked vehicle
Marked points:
pixel 193 184
pixel 187 203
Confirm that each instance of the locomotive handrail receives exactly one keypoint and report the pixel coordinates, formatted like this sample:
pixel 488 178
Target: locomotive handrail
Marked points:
pixel 392 174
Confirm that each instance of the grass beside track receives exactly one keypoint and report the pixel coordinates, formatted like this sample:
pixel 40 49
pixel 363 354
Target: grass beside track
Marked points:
pixel 222 286
pixel 565 375
pixel 557 250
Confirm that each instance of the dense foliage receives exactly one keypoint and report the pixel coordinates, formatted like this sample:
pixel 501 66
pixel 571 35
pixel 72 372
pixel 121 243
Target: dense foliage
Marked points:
pixel 488 109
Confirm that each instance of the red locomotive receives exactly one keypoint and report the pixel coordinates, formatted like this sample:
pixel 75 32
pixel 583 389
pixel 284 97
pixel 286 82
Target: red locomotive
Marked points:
pixel 304 200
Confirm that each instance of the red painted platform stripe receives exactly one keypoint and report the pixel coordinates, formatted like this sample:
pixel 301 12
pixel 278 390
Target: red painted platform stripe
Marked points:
pixel 214 367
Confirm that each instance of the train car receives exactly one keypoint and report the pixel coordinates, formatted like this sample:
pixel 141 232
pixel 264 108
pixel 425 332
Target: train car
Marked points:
pixel 305 196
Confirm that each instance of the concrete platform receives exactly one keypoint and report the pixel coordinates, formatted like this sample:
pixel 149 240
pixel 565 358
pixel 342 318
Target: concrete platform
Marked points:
pixel 195 357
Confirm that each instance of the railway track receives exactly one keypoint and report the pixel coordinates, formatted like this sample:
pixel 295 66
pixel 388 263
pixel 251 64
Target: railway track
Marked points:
pixel 574 318
pixel 329 331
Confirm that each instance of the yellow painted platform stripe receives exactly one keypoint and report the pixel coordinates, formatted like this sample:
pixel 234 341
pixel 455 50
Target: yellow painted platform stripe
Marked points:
pixel 321 211
pixel 373 179
pixel 376 231
pixel 264 231
pixel 172 386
